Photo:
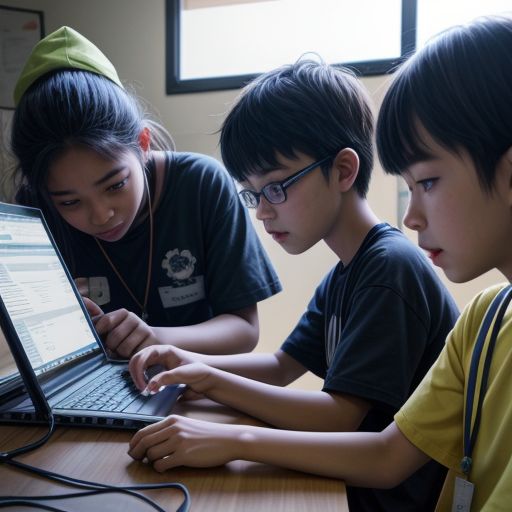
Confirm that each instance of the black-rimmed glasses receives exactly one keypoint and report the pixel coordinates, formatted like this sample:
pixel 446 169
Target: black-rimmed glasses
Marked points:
pixel 275 192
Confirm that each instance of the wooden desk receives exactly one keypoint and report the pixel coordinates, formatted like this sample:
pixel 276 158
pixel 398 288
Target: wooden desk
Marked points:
pixel 100 455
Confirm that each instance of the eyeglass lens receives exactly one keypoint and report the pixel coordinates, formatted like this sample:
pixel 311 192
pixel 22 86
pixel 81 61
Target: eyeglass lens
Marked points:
pixel 274 193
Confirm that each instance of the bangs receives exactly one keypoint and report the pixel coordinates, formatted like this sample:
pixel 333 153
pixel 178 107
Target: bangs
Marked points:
pixel 254 151
pixel 398 139
pixel 250 156
pixel 307 108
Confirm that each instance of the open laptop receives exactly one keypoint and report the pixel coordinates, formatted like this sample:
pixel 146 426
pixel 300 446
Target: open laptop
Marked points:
pixel 61 366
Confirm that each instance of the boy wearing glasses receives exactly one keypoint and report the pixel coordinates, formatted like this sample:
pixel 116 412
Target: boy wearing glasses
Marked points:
pixel 299 141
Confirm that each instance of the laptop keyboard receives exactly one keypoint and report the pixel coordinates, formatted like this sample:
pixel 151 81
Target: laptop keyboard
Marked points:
pixel 112 390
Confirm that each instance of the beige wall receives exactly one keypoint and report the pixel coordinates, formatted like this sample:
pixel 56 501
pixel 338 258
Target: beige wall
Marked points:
pixel 132 34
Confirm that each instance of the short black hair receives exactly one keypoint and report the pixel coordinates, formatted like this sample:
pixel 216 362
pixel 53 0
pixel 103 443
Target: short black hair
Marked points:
pixel 307 107
pixel 459 89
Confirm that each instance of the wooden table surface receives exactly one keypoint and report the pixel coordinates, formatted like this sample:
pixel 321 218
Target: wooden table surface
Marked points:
pixel 100 455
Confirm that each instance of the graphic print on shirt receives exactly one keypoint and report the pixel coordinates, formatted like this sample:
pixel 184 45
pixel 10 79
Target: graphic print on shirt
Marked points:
pixel 185 287
pixel 334 318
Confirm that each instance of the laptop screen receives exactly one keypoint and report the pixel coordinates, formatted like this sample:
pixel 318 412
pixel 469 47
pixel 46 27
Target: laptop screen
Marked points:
pixel 37 293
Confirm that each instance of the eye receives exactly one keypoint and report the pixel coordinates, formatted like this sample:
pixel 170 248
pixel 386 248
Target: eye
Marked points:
pixel 273 192
pixel 71 202
pixel 118 186
pixel 427 184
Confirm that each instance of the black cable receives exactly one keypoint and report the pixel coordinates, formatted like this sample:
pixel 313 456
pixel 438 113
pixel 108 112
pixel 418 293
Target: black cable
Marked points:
pixel 9 501
pixel 97 488
pixel 5 456
pixel 26 502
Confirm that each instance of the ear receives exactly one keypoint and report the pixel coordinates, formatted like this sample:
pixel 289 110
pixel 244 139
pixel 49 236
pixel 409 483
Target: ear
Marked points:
pixel 345 169
pixel 145 140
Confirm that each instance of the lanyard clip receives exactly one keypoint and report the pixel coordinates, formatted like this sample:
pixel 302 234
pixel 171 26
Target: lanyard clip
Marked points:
pixel 465 464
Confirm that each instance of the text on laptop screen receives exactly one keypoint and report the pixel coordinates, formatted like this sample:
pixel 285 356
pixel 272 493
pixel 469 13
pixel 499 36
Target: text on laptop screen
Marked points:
pixel 38 296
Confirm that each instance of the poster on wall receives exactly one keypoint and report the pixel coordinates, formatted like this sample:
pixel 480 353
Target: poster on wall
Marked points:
pixel 20 30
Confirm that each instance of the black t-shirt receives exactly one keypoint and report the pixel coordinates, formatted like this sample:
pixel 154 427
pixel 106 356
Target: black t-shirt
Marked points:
pixel 372 330
pixel 207 259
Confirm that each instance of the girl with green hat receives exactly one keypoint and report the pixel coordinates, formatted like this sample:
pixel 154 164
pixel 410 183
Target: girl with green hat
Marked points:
pixel 157 238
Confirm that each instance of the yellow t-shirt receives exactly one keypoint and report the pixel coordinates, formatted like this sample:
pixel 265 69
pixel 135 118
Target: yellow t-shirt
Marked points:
pixel 433 417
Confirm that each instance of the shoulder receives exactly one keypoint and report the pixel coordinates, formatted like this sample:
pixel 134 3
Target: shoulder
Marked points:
pixel 184 173
pixel 393 244
pixel 392 254
pixel 482 299
pixel 473 313
pixel 198 183
pixel 196 166
pixel 462 338
pixel 396 264
pixel 331 277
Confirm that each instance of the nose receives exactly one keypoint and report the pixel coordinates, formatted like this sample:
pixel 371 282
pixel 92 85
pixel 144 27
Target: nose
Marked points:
pixel 100 213
pixel 264 210
pixel 413 217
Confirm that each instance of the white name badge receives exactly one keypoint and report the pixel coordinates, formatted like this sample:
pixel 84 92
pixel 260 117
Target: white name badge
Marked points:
pixel 462 495
pixel 172 297
pixel 99 290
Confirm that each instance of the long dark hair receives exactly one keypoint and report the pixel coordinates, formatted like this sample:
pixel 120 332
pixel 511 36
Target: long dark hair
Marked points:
pixel 70 108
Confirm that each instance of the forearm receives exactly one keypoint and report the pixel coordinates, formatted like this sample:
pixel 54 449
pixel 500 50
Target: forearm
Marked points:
pixel 278 369
pixel 286 407
pixel 379 460
pixel 126 334
pixel 223 334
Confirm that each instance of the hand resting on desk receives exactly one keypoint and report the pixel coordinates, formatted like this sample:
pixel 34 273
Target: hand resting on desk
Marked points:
pixel 179 441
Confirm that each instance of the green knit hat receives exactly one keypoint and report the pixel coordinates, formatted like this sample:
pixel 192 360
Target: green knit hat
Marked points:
pixel 63 49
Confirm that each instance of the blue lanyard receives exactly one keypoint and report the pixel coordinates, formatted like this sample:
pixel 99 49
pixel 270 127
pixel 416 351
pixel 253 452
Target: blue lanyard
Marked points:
pixel 501 301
